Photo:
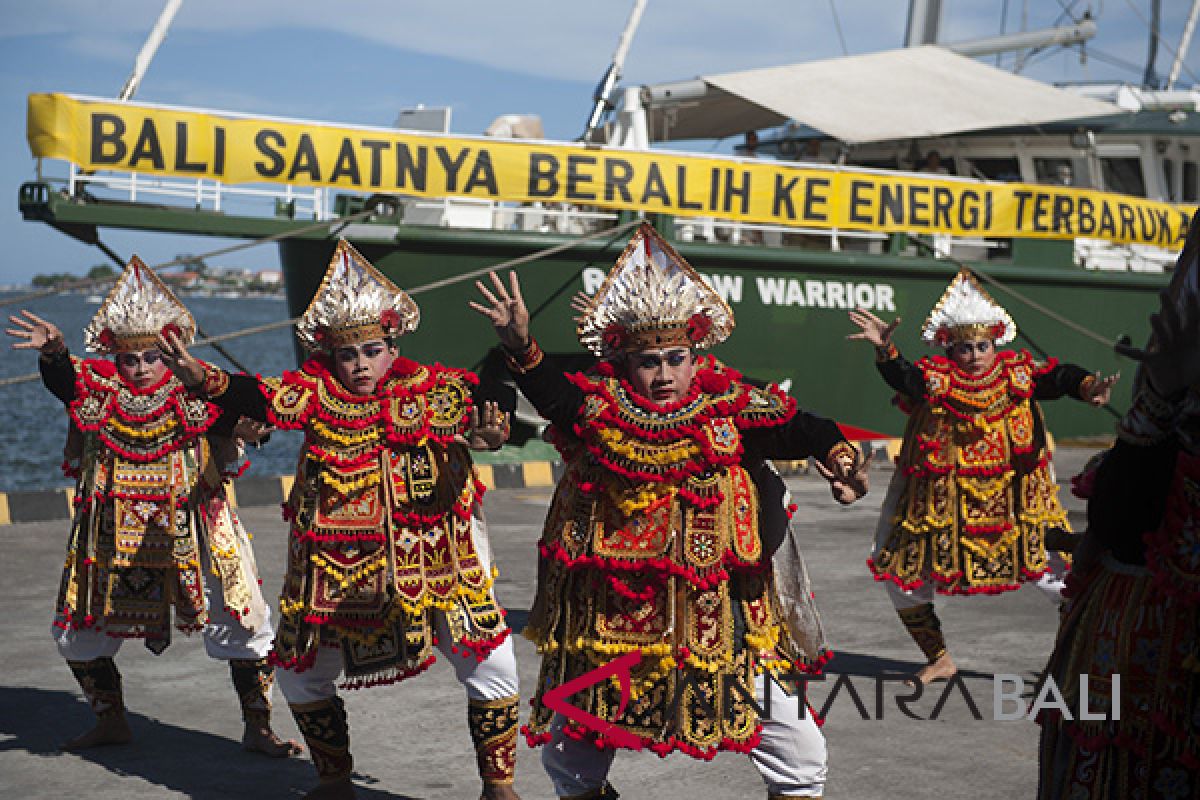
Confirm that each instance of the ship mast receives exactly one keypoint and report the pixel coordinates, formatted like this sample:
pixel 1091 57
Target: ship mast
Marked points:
pixel 146 54
pixel 602 97
pixel 1189 28
pixel 924 19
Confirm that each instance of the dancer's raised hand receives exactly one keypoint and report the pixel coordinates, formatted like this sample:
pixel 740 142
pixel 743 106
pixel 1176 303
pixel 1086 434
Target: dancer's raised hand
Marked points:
pixel 505 309
pixel 177 358
pixel 848 479
pixel 35 333
pixel 489 428
pixel 1099 390
pixel 872 328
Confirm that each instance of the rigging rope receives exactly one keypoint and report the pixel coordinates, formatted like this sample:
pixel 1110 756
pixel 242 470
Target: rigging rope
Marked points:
pixel 184 260
pixel 427 287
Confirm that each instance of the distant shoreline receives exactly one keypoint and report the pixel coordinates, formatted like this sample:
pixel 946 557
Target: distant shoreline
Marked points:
pixel 223 294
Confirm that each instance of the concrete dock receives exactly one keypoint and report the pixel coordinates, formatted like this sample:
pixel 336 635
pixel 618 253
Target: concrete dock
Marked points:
pixel 410 740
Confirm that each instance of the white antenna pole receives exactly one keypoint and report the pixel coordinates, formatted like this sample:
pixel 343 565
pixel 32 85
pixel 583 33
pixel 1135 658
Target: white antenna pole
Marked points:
pixel 1189 28
pixel 604 90
pixel 146 55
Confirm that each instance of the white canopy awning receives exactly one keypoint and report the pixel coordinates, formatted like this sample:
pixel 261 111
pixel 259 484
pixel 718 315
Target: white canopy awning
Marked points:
pixel 914 92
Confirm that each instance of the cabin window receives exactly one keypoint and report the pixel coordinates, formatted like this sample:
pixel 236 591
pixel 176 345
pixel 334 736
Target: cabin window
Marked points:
pixel 1059 172
pixel 875 163
pixel 994 169
pixel 1169 179
pixel 1123 175
pixel 1189 182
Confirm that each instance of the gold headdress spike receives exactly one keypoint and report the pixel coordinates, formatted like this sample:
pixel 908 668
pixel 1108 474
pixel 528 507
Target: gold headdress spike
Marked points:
pixel 964 312
pixel 138 307
pixel 653 298
pixel 355 303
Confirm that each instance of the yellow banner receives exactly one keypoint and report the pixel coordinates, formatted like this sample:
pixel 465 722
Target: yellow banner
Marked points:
pixel 234 149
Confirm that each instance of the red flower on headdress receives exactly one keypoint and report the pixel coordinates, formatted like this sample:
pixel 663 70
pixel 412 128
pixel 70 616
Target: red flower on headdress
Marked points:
pixel 390 320
pixel 698 326
pixel 942 337
pixel 997 330
pixel 171 328
pixel 321 335
pixel 614 336
pixel 107 338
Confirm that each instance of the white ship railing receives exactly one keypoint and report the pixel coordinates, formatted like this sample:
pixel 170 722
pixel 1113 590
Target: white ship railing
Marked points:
pixel 204 194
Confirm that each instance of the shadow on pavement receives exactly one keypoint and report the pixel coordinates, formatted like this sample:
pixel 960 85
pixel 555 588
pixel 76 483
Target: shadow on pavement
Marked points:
pixel 201 765
pixel 848 663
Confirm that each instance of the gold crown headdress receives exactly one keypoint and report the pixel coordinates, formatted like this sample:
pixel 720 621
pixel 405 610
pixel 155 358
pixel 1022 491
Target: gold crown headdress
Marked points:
pixel 138 308
pixel 964 312
pixel 653 298
pixel 355 303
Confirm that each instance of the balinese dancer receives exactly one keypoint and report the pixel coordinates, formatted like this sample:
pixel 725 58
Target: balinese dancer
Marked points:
pixel 154 536
pixel 1128 652
pixel 652 569
pixel 974 496
pixel 388 556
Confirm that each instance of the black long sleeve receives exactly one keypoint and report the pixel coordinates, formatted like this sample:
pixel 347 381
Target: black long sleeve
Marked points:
pixel 1129 496
pixel 242 398
pixel 907 379
pixel 903 376
pixel 58 375
pixel 803 436
pixel 554 397
pixel 1064 379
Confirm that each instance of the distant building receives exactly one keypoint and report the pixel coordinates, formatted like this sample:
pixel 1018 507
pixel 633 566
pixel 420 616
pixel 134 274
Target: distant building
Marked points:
pixel 185 279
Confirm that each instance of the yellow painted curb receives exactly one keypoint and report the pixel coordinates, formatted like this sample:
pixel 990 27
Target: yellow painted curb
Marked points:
pixel 486 476
pixel 538 473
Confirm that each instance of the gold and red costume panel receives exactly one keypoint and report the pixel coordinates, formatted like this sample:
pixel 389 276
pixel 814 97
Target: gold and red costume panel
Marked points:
pixel 1133 619
pixel 383 522
pixel 652 545
pixel 150 507
pixel 979 494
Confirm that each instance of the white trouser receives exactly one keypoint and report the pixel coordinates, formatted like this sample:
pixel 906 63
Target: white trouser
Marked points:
pixel 493 678
pixel 790 756
pixel 224 636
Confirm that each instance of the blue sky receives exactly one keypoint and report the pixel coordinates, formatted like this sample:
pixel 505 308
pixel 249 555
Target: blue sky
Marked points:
pixel 359 61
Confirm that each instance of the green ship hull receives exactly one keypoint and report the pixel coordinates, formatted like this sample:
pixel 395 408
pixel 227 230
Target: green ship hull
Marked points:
pixel 790 303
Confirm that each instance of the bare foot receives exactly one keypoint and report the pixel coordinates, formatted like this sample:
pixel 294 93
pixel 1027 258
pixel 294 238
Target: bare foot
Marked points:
pixel 113 729
pixel 941 670
pixel 499 793
pixel 263 740
pixel 334 790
